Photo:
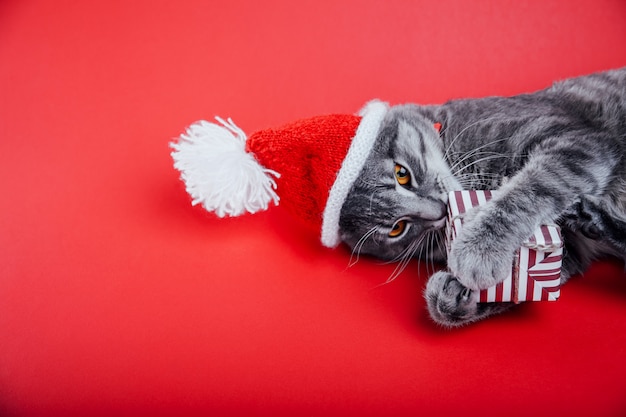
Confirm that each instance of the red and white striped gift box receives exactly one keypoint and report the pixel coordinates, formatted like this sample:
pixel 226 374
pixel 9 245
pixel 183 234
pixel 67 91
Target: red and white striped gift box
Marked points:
pixel 536 270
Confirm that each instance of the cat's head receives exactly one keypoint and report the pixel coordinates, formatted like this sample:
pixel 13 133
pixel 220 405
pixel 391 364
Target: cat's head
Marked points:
pixel 400 196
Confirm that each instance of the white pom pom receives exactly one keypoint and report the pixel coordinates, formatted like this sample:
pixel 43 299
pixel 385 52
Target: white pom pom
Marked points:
pixel 219 173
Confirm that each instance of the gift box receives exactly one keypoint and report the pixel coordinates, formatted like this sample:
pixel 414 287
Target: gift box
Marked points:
pixel 536 269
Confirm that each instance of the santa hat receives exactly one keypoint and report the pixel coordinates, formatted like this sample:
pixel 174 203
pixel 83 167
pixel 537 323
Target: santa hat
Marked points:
pixel 309 165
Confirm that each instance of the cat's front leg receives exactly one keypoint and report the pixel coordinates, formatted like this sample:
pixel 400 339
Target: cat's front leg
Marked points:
pixel 557 173
pixel 550 182
pixel 482 255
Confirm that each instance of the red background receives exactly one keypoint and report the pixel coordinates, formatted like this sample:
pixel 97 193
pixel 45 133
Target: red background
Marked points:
pixel 119 298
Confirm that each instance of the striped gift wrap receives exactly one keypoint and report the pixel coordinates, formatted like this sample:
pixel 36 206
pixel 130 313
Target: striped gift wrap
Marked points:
pixel 536 269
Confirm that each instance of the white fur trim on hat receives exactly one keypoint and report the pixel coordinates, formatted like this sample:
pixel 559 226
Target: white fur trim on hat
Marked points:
pixel 360 148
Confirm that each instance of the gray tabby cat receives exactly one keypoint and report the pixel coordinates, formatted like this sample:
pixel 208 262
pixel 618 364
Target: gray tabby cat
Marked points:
pixel 556 156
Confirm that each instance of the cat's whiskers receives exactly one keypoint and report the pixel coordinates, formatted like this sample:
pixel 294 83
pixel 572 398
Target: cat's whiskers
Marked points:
pixel 372 184
pixel 478 180
pixel 401 266
pixel 425 244
pixel 441 245
pixel 476 152
pixel 458 166
pixel 407 255
pixel 426 248
pixel 370 210
pixel 356 251
pixel 469 180
pixel 483 176
pixel 435 242
pixel 458 135
pixel 399 257
pixel 486 158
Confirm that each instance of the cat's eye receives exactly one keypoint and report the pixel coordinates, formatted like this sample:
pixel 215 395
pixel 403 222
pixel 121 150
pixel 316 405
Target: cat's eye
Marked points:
pixel 403 176
pixel 398 228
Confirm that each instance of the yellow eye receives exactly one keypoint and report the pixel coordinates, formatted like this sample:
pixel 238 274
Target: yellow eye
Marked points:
pixel 403 176
pixel 398 228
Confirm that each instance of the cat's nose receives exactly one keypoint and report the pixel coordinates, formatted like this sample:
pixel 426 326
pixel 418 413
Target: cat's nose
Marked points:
pixel 438 210
pixel 438 222
pixel 443 209
pixel 436 215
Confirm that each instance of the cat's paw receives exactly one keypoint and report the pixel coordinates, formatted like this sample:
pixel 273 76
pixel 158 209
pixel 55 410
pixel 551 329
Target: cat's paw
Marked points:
pixel 585 216
pixel 450 304
pixel 481 255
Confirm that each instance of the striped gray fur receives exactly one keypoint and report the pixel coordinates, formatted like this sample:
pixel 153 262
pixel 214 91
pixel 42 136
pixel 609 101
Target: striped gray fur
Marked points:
pixel 556 156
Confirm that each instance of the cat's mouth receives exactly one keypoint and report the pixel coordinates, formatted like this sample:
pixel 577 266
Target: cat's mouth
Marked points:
pixel 437 224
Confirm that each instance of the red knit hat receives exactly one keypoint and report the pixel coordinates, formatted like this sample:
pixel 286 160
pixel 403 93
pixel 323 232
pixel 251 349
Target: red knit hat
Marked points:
pixel 311 164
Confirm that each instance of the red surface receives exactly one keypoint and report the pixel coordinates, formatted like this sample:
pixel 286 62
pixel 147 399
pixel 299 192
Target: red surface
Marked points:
pixel 119 298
